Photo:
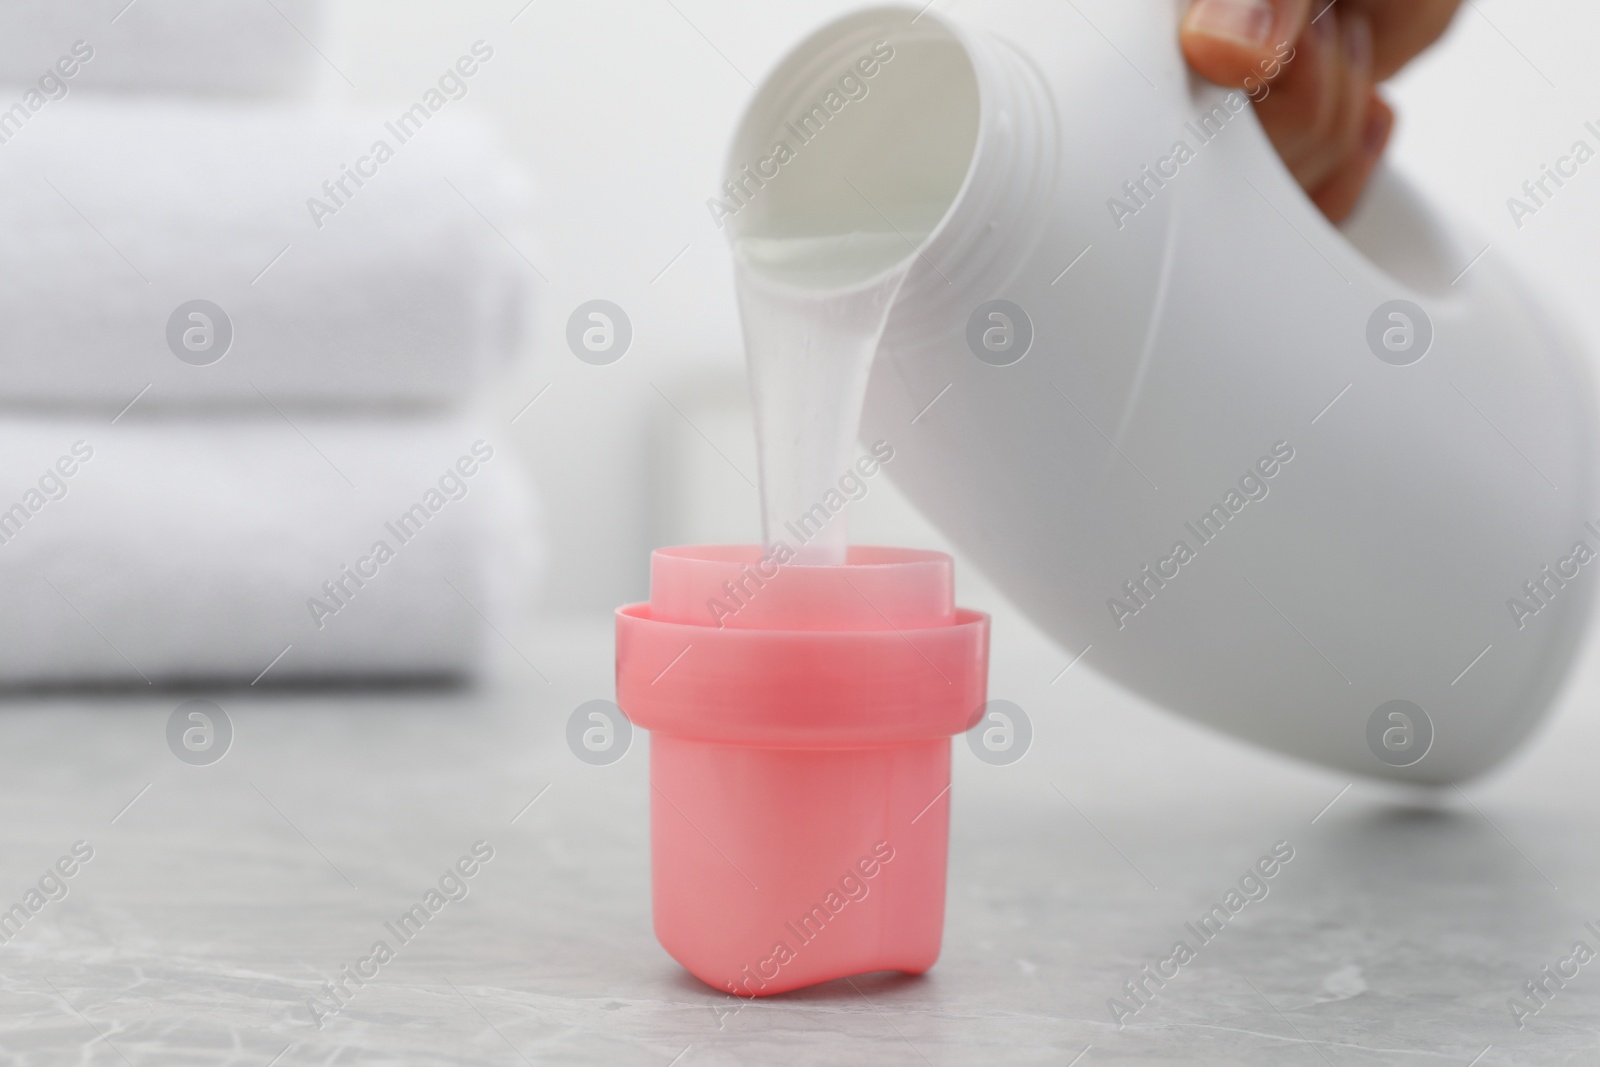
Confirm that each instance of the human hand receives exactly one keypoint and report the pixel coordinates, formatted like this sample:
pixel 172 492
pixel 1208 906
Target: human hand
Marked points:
pixel 1313 77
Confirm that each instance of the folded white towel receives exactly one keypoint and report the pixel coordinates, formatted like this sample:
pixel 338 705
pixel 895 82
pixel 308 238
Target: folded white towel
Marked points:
pixel 203 46
pixel 195 550
pixel 406 286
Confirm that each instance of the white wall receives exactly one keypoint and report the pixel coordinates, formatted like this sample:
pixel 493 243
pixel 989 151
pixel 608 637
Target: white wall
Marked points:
pixel 621 110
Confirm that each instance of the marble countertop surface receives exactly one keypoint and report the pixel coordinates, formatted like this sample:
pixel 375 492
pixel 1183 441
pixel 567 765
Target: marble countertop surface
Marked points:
pixel 219 898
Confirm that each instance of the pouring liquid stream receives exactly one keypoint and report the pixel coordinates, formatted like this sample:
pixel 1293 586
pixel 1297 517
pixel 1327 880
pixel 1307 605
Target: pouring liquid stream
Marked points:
pixel 811 328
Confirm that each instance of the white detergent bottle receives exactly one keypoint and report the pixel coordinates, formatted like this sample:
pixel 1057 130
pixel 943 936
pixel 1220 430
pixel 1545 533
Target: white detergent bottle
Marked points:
pixel 1331 490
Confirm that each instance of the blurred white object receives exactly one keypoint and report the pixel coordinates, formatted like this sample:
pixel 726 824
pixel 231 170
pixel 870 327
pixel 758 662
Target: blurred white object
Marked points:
pixel 1332 492
pixel 402 287
pixel 178 549
pixel 254 47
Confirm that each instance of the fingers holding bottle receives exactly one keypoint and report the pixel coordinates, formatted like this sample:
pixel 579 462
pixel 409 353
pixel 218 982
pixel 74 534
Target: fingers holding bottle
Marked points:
pixel 1312 67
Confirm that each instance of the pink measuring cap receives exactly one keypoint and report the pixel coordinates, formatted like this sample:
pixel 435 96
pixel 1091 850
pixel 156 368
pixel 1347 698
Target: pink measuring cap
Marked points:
pixel 800 724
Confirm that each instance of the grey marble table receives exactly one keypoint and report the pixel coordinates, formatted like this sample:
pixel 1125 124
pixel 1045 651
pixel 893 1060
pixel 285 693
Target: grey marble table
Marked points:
pixel 220 898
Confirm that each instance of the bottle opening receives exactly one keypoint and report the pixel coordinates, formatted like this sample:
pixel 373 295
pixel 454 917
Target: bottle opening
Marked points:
pixel 854 151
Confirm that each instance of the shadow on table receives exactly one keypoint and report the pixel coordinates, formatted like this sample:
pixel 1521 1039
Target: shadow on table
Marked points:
pixel 863 989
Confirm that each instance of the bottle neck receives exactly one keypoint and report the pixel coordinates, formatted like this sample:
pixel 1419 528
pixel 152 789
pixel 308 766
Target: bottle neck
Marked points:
pixel 999 215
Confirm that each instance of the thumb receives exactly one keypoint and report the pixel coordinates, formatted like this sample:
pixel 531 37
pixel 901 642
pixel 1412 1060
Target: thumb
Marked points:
pixel 1227 41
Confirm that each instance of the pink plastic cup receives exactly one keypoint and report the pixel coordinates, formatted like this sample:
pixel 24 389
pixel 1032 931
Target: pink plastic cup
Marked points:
pixel 800 758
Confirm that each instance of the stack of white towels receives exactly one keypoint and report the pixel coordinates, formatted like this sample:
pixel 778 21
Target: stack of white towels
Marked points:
pixel 322 502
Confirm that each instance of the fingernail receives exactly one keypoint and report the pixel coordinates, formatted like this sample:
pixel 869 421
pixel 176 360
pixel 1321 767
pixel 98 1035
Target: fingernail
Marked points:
pixel 1324 25
pixel 1249 21
pixel 1358 41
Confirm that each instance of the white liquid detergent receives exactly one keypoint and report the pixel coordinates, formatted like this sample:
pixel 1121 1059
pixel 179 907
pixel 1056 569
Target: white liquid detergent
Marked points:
pixel 810 337
pixel 828 215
